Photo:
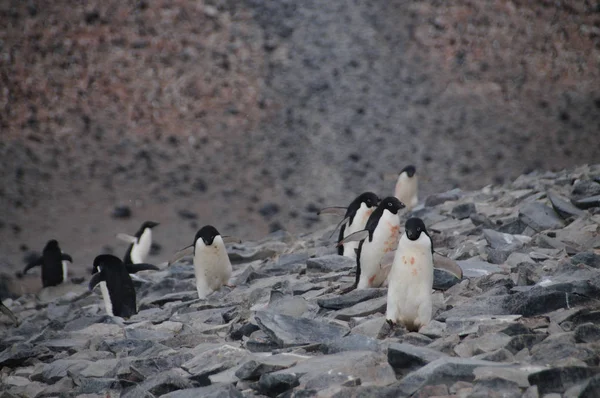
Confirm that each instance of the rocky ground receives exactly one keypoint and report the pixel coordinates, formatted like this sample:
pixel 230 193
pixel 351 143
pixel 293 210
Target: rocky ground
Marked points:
pixel 522 322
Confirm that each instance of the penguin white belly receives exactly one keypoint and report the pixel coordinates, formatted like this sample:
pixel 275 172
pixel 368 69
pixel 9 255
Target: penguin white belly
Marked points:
pixel 212 268
pixel 106 297
pixel 65 270
pixel 410 283
pixel 406 191
pixel 358 223
pixel 141 249
pixel 385 236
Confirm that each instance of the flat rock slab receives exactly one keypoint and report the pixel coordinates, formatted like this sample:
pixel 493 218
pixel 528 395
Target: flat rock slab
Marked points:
pixel 559 379
pixel 214 360
pixel 288 331
pixel 330 263
pixel 563 207
pixel 212 391
pixel 470 325
pixel 337 302
pixel 407 356
pixel 444 280
pixel 363 309
pixel 474 268
pixel 540 217
pixel 256 367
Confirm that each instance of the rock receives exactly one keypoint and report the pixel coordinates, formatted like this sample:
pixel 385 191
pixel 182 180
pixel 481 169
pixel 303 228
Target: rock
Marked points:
pixel 501 355
pixel 591 389
pixel 433 329
pixel 588 258
pixel 287 264
pixel 469 325
pixel 121 212
pixel 483 344
pixel 406 356
pixel 463 210
pixel 330 263
pixel 364 308
pixel 437 199
pixel 336 302
pixel 561 378
pixel 473 268
pixel 588 203
pixel 587 333
pixel 539 217
pixel 255 368
pixel 585 188
pixel 353 342
pixel 563 207
pixel 499 240
pixel 443 280
pixel 287 331
pixel 561 346
pixel 376 328
pixel 18 354
pixel 275 384
pixel 441 370
pixel 214 361
pixel 212 391
pixel 166 382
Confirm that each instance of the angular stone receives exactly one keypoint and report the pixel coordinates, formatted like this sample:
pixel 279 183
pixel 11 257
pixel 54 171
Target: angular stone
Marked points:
pixel 478 345
pixel 255 368
pixel 336 302
pixel 587 333
pixel 407 356
pixel 56 370
pixel 588 203
pixel 561 378
pixel 470 325
pixel 499 240
pixel 214 361
pixel 364 308
pixel 287 331
pixel 522 341
pixel 293 263
pixel 540 217
pixel 433 329
pixel 555 348
pixel 330 263
pixel 443 280
pixel 463 210
pixel 588 258
pixel 18 354
pixel 584 188
pixel 376 328
pixel 501 355
pixel 439 198
pixel 353 342
pixel 416 339
pixel 275 384
pixel 563 207
pixel 591 389
pixel 212 391
pixel 474 267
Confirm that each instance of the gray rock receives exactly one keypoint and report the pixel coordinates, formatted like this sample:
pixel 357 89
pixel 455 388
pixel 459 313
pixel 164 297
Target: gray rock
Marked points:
pixel 587 333
pixel 214 361
pixel 416 339
pixel 94 385
pixel 585 188
pixel 561 378
pixel 468 325
pixel 212 391
pixel 558 347
pixel 501 355
pixel 482 344
pixel 442 371
pixel 353 342
pixel 407 356
pixel 293 263
pixel 148 367
pixel 591 389
pixel 163 299
pixel 275 384
pixel 588 258
pixel 522 341
pixel 539 217
pixel 437 199
pixel 287 331
pixel 474 267
pixel 443 280
pixel 166 382
pixel 463 210
pixel 588 203
pixel 563 207
pixel 255 368
pixel 336 302
pixel 56 370
pixel 330 263
pixel 363 309
pixel 433 329
pixel 18 354
pixel 376 328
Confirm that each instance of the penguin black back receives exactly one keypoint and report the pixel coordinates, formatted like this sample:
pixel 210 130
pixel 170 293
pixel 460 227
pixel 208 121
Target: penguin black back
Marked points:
pixel 51 263
pixel 207 234
pixel 368 198
pixel 118 282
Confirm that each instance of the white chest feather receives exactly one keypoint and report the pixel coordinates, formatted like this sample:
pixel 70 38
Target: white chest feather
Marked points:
pixel 65 270
pixel 384 240
pixel 106 298
pixel 410 283
pixel 212 266
pixel 406 190
pixel 141 249
pixel 358 223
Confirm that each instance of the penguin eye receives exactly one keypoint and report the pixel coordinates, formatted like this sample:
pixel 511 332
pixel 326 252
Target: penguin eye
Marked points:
pixel 390 204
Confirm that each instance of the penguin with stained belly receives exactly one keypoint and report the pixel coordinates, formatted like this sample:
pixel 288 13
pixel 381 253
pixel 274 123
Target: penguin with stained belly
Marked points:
pixel 410 282
pixel 379 237
pixel 54 264
pixel 118 291
pixel 407 187
pixel 140 243
pixel 211 261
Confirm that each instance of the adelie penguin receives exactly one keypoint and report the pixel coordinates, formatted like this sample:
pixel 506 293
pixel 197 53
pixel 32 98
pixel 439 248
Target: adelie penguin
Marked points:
pixel 118 291
pixel 140 243
pixel 379 237
pixel 410 282
pixel 407 187
pixel 54 264
pixel 211 261
pixel 355 218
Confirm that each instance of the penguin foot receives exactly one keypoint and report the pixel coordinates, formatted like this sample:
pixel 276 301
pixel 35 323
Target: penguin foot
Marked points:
pixel 391 323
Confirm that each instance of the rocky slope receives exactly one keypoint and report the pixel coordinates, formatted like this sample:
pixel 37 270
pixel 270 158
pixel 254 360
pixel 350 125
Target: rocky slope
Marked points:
pixel 522 322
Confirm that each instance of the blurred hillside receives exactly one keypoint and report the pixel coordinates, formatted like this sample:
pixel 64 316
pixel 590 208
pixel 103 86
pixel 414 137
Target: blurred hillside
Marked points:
pixel 251 114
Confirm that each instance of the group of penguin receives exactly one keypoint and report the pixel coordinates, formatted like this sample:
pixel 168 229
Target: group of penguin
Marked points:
pixel 368 232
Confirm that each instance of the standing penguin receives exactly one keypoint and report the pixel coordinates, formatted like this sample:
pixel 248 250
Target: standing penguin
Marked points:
pixel 211 261
pixel 140 243
pixel 119 296
pixel 409 299
pixel 4 309
pixel 379 237
pixel 357 215
pixel 54 264
pixel 407 186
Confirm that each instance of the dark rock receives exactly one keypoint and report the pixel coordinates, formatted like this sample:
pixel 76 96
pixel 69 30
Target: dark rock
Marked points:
pixel 166 382
pixel 463 210
pixel 438 199
pixel 588 203
pixel 496 387
pixel 185 214
pixel 555 348
pixel 353 342
pixel 96 385
pixel 406 356
pixel 539 217
pixel 293 263
pixel 518 343
pixel 588 258
pixel 19 354
pixel 587 333
pixel 255 368
pixel 289 331
pixel 560 378
pixel 330 263
pixel 585 188
pixel 336 302
pixel 269 210
pixel 563 207
pixel 443 280
pixel 416 339
pixel 514 227
pixel 238 332
pixel 148 367
pixel 275 384
pixel 500 240
pixel 121 212
pixel 212 391
pixel 591 389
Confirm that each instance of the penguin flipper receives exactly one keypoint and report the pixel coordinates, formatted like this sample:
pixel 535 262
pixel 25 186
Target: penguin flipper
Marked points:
pixel 343 222
pixel 355 237
pixel 133 268
pixel 4 309
pixel 333 210
pixel 96 278
pixel 34 263
pixel 66 257
pixel 126 238
pixel 186 251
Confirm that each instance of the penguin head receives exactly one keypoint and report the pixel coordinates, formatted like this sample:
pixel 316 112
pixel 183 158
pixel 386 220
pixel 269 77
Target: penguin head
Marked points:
pixel 414 227
pixel 391 204
pixel 369 199
pixel 106 261
pixel 208 234
pixel 149 224
pixel 410 170
pixel 52 244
